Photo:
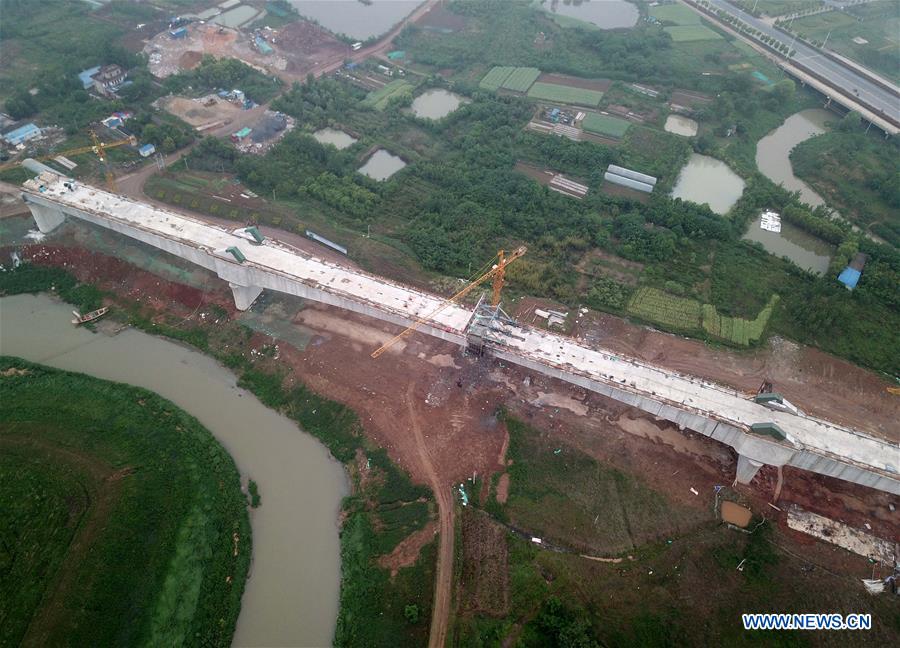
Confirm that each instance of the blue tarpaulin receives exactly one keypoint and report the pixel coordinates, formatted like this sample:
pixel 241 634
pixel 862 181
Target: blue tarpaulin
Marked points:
pixel 849 277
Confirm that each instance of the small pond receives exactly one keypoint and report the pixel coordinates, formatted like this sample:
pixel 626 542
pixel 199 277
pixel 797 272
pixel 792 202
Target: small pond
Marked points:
pixel 356 19
pixel 436 103
pixel 708 180
pixel 807 251
pixel 681 125
pixel 605 14
pixel 382 165
pixel 337 138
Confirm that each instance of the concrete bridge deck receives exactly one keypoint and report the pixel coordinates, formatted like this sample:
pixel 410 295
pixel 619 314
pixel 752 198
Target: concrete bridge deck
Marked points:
pixel 711 409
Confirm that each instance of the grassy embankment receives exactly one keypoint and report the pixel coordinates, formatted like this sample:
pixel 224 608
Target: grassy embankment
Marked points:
pixel 384 506
pixel 124 522
pixel 676 582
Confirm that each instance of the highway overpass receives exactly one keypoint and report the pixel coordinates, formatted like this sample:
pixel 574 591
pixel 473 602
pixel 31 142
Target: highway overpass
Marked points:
pixel 714 410
pixel 847 84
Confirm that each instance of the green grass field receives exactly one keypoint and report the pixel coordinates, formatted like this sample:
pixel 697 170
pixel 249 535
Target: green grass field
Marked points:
pixel 605 125
pixel 521 79
pixel 690 33
pixel 379 99
pixel 565 94
pixel 496 77
pixel 119 512
pixel 676 14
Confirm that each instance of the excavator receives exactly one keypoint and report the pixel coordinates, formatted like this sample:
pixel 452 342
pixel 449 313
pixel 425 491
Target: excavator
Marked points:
pixel 497 272
pixel 97 147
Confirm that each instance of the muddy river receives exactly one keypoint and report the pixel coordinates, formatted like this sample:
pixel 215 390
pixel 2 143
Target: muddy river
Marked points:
pixel 382 165
pixel 436 104
pixel 292 594
pixel 708 180
pixel 605 14
pixel 355 19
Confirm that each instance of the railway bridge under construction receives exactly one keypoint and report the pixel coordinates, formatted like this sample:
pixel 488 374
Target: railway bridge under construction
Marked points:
pixel 763 431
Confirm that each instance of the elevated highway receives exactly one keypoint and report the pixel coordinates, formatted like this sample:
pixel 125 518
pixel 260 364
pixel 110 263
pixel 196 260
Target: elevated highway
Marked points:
pixel 714 410
pixel 841 81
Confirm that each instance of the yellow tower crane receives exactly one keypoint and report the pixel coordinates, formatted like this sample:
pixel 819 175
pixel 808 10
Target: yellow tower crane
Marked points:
pixel 497 272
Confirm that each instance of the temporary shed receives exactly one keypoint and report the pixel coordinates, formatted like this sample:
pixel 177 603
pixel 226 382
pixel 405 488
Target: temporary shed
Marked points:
pixel 146 150
pixel 22 134
pixel 87 76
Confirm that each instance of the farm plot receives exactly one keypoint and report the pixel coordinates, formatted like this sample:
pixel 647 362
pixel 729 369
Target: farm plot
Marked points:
pixel 605 125
pixel 496 77
pixel 675 14
pixel 380 98
pixel 657 306
pixel 521 79
pixel 565 94
pixel 737 330
pixel 691 33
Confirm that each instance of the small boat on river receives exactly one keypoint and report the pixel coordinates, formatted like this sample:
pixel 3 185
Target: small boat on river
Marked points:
pixel 89 317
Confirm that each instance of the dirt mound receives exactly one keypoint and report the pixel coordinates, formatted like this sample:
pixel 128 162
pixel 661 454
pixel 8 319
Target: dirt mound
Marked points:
pixel 189 60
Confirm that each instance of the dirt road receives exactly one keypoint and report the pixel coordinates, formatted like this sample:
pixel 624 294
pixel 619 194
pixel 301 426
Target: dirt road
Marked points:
pixel 443 580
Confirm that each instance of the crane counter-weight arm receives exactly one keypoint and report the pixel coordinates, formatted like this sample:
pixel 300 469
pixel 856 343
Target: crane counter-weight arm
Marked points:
pixel 497 272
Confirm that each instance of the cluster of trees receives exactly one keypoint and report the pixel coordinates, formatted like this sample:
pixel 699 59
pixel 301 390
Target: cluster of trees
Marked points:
pixel 165 132
pixel 225 74
pixel 316 102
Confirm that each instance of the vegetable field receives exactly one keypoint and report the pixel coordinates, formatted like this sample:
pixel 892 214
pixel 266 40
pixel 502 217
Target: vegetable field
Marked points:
pixel 658 306
pixel 565 94
pixel 379 99
pixel 689 33
pixel 736 329
pixel 675 14
pixel 521 79
pixel 605 125
pixel 517 79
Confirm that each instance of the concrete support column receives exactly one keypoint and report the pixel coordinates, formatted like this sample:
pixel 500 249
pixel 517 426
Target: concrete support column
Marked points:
pixel 746 469
pixel 244 296
pixel 47 218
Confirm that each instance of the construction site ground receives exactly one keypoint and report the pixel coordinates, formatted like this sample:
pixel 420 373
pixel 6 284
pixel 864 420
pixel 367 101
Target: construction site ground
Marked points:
pixel 437 411
pixel 299 47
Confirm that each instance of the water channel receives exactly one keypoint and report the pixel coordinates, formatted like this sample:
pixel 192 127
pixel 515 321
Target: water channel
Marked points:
pixel 605 14
pixel 356 19
pixel 773 159
pixel 382 165
pixel 337 138
pixel 291 597
pixel 773 151
pixel 707 180
pixel 436 103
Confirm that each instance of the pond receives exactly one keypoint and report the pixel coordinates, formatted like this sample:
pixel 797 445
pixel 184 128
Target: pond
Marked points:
pixel 774 150
pixel 605 14
pixel 337 138
pixel 681 125
pixel 291 596
pixel 436 104
pixel 355 19
pixel 382 165
pixel 708 180
pixel 807 251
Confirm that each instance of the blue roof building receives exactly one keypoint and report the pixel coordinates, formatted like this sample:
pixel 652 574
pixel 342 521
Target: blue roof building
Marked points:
pixel 86 77
pixel 22 134
pixel 147 150
pixel 850 275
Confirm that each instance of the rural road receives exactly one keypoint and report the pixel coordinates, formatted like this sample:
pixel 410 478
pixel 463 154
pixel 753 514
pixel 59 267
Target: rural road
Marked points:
pixel 443 580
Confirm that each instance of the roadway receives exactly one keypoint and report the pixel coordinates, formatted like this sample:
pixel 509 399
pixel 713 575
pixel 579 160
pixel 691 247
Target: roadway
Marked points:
pixel 848 81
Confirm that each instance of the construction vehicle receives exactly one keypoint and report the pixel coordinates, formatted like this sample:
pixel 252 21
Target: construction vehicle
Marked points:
pixel 97 147
pixel 497 272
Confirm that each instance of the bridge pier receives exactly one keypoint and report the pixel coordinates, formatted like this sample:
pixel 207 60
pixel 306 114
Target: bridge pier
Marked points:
pixel 244 296
pixel 746 469
pixel 46 218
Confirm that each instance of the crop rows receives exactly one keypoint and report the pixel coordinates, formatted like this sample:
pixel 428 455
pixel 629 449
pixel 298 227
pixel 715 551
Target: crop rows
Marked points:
pixel 605 125
pixel 565 94
pixel 379 99
pixel 737 329
pixel 657 306
pixel 521 79
pixel 496 77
